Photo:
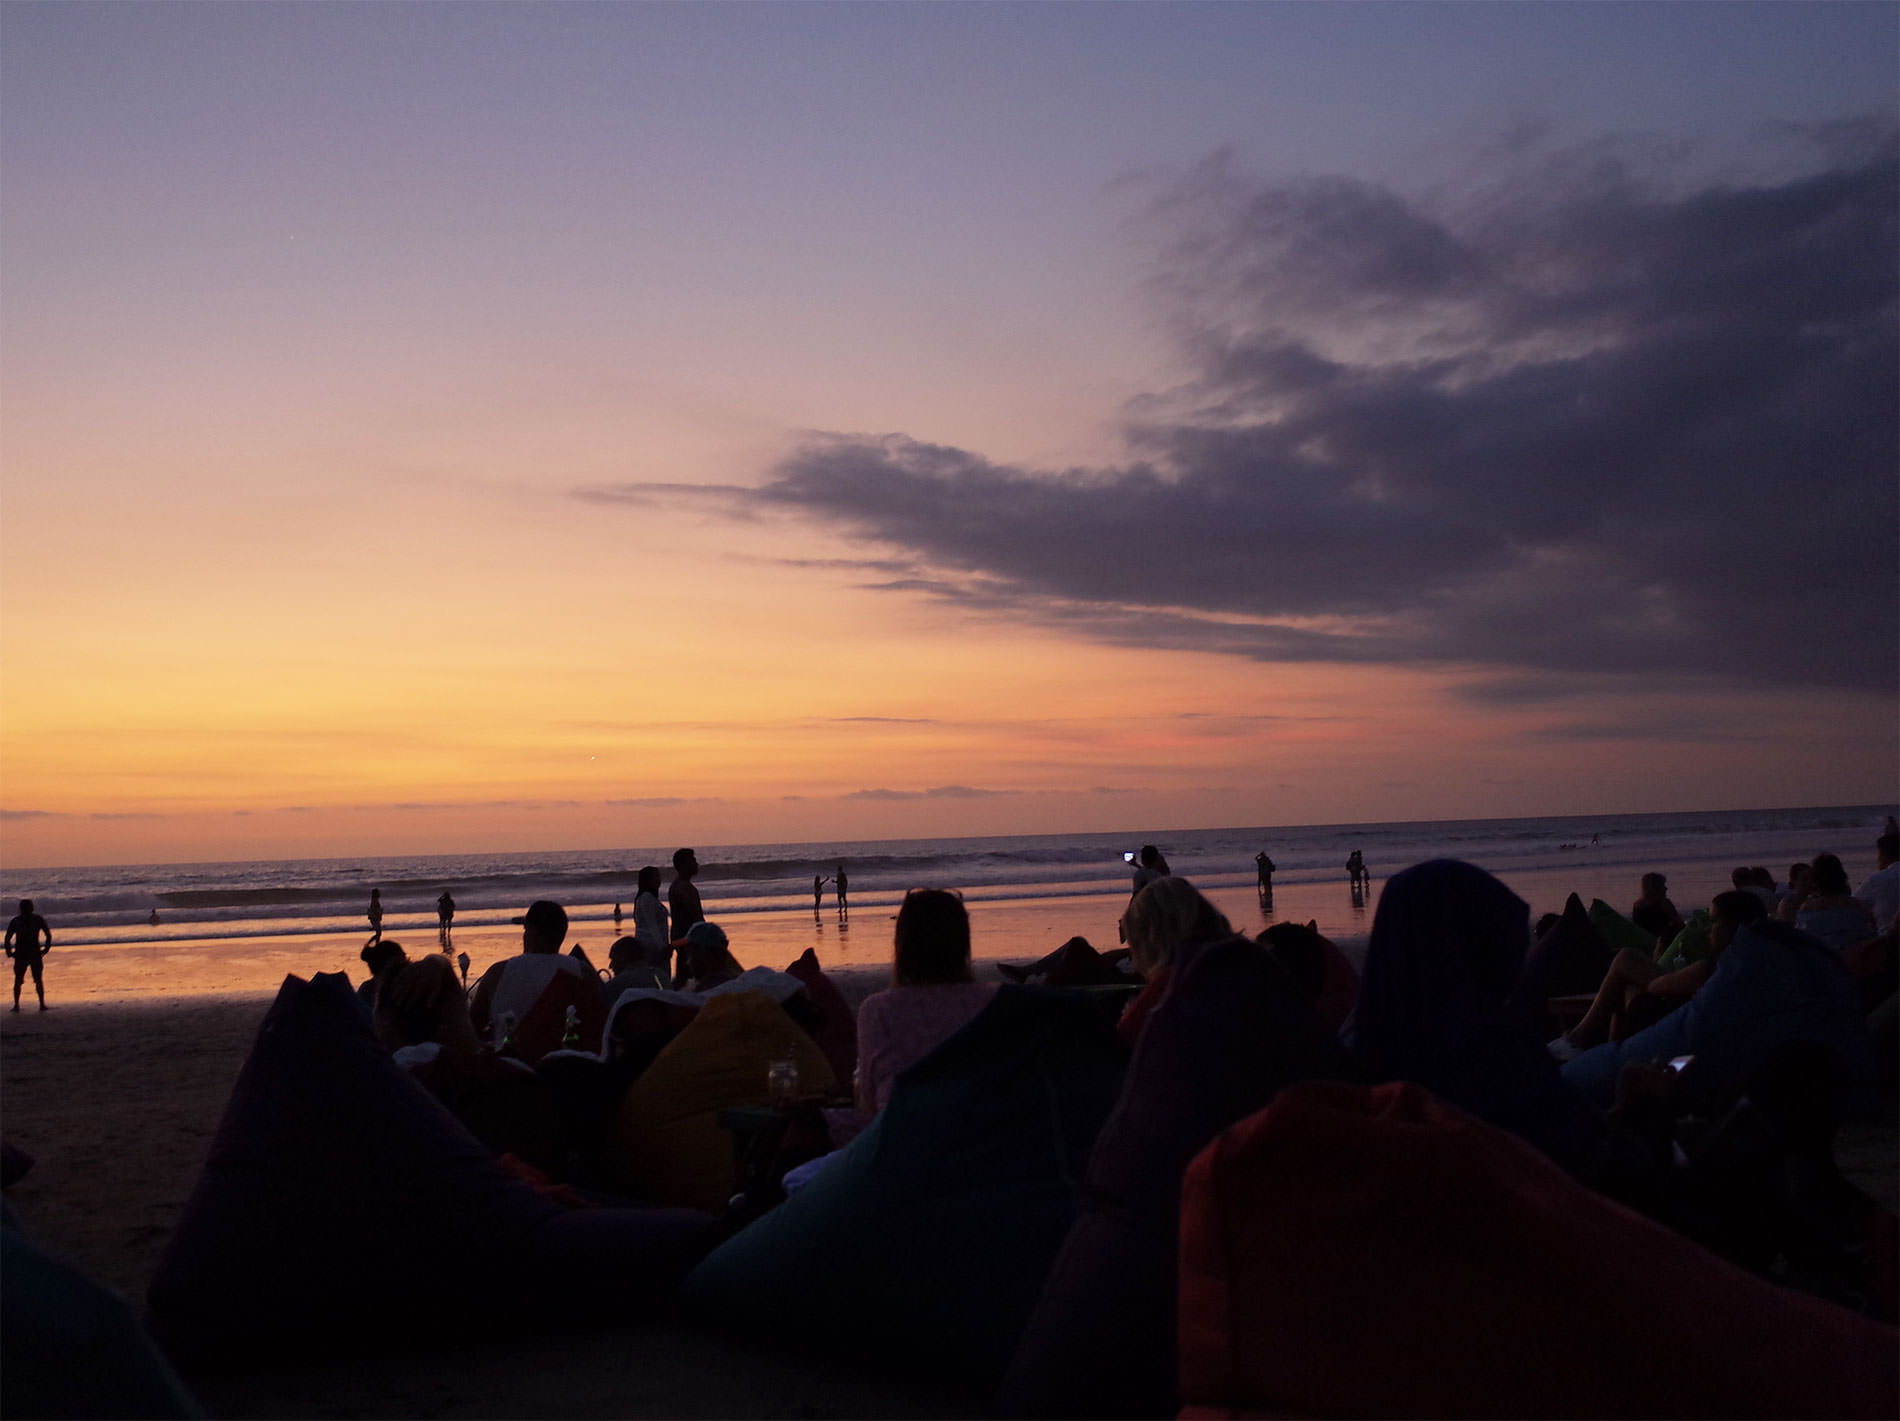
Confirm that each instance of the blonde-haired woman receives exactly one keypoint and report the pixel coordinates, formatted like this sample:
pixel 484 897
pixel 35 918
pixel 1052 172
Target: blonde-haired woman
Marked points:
pixel 1160 920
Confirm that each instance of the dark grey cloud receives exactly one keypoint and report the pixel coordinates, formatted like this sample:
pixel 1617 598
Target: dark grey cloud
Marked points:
pixel 660 801
pixel 127 814
pixel 1582 420
pixel 882 720
pixel 11 814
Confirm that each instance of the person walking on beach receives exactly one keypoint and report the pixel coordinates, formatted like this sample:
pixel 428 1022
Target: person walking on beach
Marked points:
pixel 444 915
pixel 844 888
pixel 818 892
pixel 28 940
pixel 376 915
pixel 682 898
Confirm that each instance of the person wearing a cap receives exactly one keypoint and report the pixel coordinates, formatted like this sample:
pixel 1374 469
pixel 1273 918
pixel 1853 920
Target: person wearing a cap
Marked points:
pixel 515 983
pixel 709 961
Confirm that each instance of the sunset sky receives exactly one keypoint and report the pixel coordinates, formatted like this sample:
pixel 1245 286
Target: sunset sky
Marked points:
pixel 529 426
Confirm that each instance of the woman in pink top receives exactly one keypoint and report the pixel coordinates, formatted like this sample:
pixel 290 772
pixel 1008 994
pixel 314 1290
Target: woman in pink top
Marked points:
pixel 931 999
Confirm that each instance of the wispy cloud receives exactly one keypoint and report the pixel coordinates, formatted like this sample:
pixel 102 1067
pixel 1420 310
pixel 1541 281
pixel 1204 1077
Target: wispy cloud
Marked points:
pixel 12 814
pixel 939 792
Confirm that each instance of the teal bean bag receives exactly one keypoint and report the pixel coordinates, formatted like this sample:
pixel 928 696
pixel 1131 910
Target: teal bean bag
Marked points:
pixel 925 1243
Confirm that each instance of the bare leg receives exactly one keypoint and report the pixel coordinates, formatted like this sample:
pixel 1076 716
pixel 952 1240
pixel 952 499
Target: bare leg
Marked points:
pixel 1629 969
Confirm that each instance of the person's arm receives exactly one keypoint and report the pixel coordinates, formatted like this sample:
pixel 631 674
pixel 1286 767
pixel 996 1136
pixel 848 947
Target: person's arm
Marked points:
pixel 46 930
pixel 1684 982
pixel 481 1004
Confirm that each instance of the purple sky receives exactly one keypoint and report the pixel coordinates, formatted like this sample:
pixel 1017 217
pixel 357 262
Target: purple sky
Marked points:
pixel 1520 376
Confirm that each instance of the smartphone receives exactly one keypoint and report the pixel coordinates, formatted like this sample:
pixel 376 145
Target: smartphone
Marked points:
pixel 1128 855
pixel 1678 1062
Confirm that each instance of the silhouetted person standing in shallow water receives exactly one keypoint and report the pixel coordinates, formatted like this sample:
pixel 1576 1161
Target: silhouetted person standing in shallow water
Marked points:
pixel 376 915
pixel 444 915
pixel 844 888
pixel 28 940
pixel 683 905
pixel 818 892
pixel 1264 867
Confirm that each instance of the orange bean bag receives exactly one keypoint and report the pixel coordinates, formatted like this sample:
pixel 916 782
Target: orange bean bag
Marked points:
pixel 1355 1251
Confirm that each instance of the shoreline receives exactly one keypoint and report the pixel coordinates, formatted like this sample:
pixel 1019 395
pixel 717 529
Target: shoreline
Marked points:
pixel 1003 929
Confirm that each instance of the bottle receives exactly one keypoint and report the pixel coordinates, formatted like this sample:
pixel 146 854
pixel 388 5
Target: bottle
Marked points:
pixel 571 1030
pixel 505 1035
pixel 781 1079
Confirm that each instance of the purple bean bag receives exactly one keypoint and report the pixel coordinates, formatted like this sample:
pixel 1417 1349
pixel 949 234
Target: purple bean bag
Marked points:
pixel 1231 1030
pixel 340 1196
pixel 1569 959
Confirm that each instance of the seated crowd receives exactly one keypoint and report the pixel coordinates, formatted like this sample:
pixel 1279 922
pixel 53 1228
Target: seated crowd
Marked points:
pixel 1700 1086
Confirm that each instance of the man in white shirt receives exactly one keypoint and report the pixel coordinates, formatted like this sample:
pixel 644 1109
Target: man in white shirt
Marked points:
pixel 1881 891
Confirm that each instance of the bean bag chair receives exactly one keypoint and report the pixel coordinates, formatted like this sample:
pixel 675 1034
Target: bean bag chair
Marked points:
pixel 539 988
pixel 1692 944
pixel 1570 958
pixel 500 1103
pixel 1354 1251
pixel 69 1347
pixel 339 1194
pixel 832 1024
pixel 1774 984
pixel 1315 962
pixel 666 1144
pixel 925 1241
pixel 1619 932
pixel 1231 1031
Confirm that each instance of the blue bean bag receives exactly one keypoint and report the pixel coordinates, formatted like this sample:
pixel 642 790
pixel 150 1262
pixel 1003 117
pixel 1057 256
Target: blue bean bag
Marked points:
pixel 925 1242
pixel 339 1196
pixel 1231 1031
pixel 69 1347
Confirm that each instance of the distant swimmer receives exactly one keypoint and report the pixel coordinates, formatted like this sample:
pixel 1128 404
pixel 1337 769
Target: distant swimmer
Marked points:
pixel 154 918
pixel 818 892
pixel 844 890
pixel 444 916
pixel 28 940
pixel 376 915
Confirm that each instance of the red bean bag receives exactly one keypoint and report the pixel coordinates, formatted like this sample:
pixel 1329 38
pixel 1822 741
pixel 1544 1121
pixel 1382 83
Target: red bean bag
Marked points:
pixel 835 1028
pixel 1354 1251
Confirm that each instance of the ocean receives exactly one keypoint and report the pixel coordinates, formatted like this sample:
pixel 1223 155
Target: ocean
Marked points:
pixel 1026 892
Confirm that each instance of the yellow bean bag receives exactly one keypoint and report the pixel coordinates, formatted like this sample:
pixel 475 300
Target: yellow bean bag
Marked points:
pixel 666 1144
